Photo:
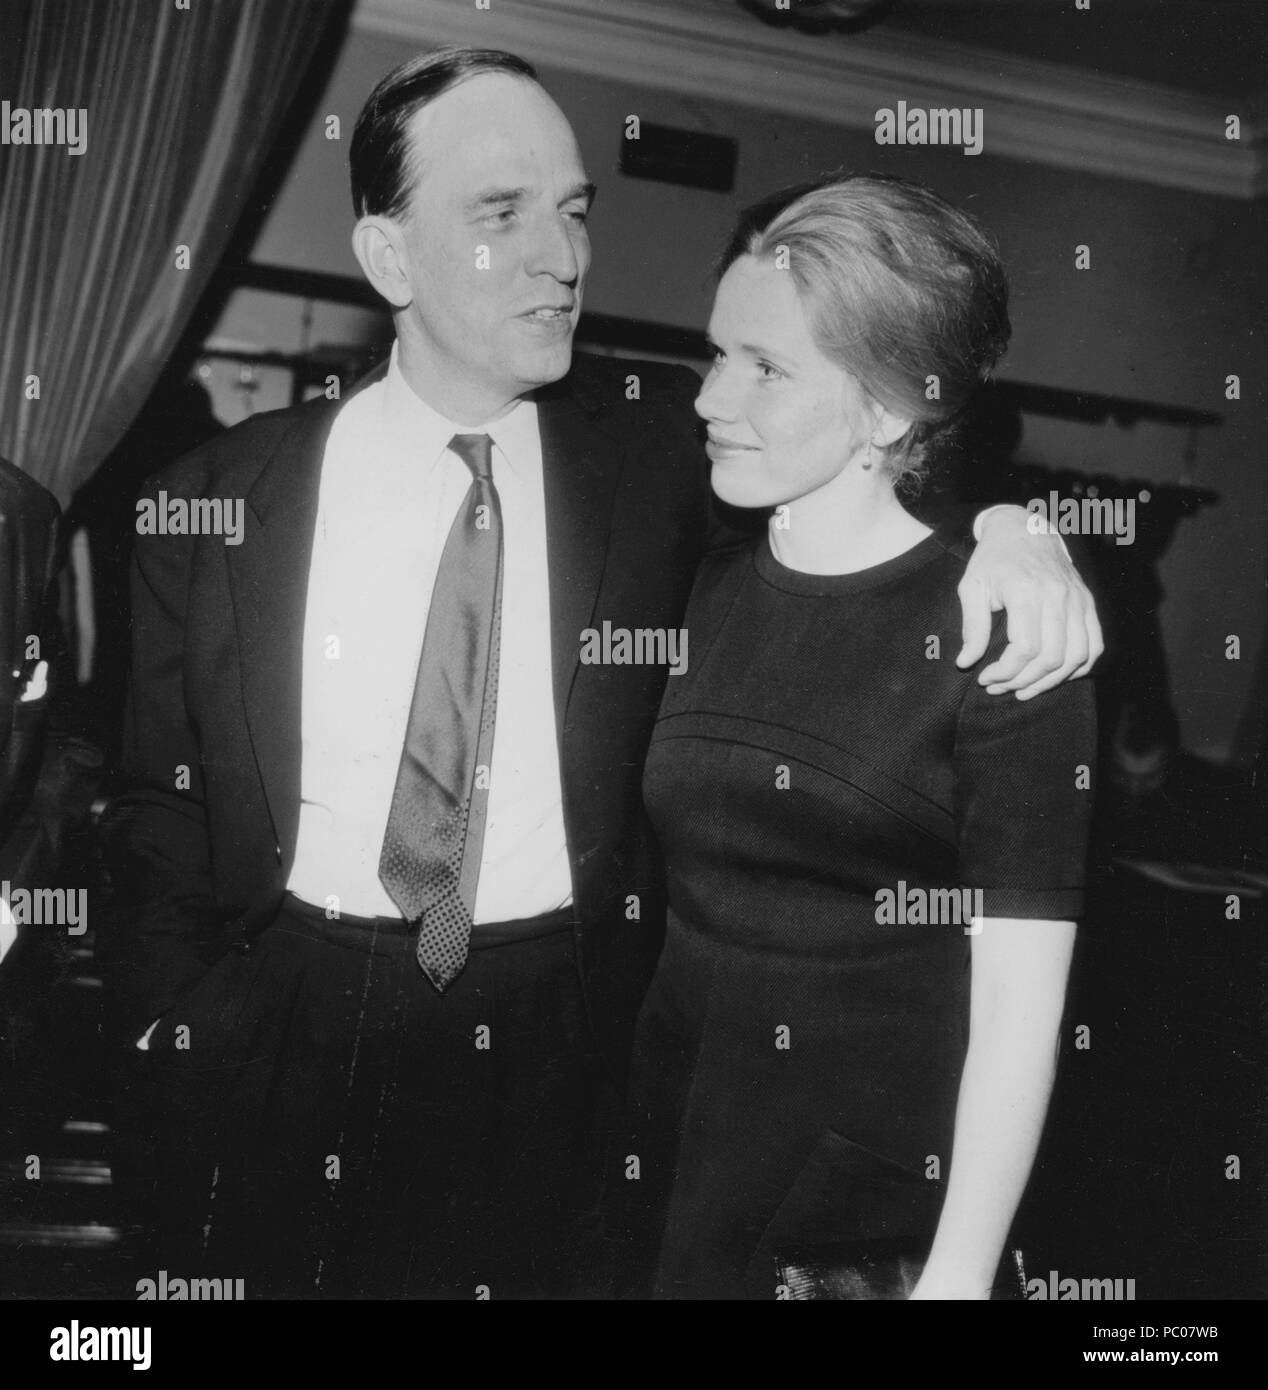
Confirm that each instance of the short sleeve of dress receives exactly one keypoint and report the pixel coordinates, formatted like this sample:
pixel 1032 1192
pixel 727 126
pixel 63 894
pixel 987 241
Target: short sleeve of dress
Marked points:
pixel 1023 787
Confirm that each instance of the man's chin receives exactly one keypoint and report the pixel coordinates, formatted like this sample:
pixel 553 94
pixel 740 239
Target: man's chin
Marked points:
pixel 548 368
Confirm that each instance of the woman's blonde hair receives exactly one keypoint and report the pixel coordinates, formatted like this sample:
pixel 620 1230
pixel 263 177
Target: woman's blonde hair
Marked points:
pixel 902 290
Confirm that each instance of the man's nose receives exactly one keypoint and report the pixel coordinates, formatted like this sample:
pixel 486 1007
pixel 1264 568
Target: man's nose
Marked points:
pixel 554 252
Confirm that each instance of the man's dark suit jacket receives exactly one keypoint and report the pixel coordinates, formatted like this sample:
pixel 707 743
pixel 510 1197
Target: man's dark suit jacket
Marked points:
pixel 215 685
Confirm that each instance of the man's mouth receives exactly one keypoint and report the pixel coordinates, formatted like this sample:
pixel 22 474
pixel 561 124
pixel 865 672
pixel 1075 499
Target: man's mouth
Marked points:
pixel 548 314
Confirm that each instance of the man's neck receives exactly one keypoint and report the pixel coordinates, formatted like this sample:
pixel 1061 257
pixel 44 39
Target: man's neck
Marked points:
pixel 459 402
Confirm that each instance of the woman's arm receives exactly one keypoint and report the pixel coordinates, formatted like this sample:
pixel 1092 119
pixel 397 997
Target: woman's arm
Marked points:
pixel 1019 972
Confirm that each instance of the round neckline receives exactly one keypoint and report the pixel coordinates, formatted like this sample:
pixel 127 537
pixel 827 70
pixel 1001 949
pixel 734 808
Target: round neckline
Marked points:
pixel 791 581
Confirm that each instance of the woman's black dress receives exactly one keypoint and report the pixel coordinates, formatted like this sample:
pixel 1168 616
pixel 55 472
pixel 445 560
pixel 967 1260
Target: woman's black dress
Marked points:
pixel 799 1053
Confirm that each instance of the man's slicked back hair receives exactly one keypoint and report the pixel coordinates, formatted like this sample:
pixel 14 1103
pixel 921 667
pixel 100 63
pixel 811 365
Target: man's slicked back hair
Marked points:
pixel 380 158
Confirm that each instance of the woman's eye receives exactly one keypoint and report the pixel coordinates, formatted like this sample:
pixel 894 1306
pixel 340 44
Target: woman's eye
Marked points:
pixel 769 372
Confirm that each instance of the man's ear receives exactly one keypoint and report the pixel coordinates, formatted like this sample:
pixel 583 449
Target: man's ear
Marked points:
pixel 379 247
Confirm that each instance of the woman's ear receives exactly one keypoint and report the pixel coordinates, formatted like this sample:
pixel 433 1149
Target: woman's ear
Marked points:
pixel 888 428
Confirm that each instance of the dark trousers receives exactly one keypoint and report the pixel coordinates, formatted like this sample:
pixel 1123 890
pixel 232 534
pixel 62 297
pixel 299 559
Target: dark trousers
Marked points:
pixel 330 1126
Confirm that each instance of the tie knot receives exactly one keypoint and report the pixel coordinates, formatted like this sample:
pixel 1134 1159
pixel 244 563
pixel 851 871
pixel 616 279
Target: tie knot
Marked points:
pixel 476 451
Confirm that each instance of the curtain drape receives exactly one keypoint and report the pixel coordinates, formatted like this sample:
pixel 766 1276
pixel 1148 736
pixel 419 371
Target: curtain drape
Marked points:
pixel 182 106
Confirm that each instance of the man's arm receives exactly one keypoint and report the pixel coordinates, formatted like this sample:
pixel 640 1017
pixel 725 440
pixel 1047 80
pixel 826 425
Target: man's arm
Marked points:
pixel 1054 633
pixel 1053 630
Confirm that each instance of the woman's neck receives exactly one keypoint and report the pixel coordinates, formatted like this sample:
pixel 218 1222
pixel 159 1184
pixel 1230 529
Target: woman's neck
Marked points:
pixel 851 523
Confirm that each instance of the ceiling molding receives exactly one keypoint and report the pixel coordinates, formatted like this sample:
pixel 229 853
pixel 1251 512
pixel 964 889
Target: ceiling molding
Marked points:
pixel 1043 112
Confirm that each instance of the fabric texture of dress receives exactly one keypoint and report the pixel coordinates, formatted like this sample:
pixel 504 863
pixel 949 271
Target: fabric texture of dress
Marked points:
pixel 824 781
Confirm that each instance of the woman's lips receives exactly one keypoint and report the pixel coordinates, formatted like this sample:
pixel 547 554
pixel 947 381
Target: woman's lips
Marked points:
pixel 718 448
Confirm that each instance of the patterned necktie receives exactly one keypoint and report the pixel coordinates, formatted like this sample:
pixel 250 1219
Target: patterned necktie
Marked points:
pixel 435 830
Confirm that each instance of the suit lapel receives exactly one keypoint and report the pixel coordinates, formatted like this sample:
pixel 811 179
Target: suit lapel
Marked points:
pixel 581 464
pixel 268 574
pixel 268 578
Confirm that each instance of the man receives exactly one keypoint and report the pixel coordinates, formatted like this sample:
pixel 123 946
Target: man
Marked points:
pixel 388 916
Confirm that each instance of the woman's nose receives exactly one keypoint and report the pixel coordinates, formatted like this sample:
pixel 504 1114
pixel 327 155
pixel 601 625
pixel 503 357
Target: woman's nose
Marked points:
pixel 713 401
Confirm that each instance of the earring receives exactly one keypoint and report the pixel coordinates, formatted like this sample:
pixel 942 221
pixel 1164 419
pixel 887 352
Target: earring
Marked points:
pixel 867 463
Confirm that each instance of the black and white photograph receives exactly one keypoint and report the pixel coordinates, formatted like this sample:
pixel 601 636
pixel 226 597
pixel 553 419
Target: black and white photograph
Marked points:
pixel 635 667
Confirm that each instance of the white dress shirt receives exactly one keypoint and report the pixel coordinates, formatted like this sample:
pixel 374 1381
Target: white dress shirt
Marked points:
pixel 390 489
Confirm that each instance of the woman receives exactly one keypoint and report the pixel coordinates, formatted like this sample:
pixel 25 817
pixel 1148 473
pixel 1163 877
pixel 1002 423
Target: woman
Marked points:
pixel 813 1069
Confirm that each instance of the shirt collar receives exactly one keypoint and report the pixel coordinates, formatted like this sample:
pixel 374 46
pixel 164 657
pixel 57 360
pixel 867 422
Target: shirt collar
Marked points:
pixel 425 433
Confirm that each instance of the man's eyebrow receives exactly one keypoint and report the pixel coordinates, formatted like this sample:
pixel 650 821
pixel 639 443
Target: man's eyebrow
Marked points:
pixel 581 190
pixel 496 197
pixel 502 197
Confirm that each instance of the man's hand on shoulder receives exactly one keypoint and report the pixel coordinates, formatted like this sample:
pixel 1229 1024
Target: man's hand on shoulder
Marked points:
pixel 1053 631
